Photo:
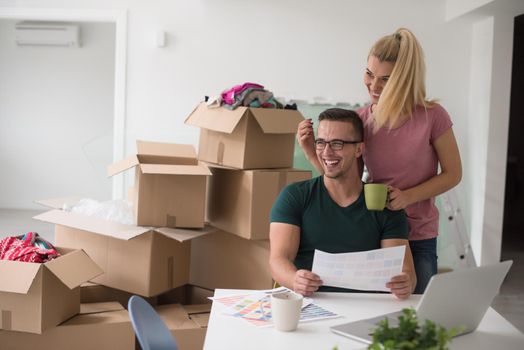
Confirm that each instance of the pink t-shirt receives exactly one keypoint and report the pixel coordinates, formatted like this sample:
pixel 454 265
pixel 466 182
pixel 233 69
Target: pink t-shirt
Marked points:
pixel 404 157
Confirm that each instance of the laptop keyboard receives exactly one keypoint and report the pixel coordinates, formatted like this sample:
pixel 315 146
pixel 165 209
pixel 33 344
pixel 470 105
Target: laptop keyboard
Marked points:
pixel 392 319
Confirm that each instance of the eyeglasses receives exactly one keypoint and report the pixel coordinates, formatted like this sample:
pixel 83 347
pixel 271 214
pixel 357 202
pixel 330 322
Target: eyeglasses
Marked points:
pixel 335 145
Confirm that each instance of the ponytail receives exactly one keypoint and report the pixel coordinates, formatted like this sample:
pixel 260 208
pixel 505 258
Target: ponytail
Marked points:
pixel 405 88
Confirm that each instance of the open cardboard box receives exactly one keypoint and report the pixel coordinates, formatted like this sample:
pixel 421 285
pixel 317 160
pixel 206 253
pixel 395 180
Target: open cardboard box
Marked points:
pixel 141 260
pixel 96 293
pixel 170 185
pixel 239 201
pixel 187 323
pixel 35 297
pixel 246 138
pixel 100 326
pixel 186 295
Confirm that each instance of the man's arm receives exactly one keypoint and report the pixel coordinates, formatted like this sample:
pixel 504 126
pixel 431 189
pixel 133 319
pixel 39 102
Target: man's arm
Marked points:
pixel 284 242
pixel 403 285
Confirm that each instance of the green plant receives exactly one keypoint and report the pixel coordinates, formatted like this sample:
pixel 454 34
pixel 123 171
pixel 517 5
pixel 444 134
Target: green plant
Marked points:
pixel 409 335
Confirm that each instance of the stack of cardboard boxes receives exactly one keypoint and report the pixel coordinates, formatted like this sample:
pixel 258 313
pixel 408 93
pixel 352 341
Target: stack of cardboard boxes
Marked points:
pixel 43 305
pixel 40 306
pixel 250 153
pixel 171 257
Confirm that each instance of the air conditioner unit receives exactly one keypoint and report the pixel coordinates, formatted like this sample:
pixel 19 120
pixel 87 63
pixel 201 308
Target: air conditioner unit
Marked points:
pixel 47 34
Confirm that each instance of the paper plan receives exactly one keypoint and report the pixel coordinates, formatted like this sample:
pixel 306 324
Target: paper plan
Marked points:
pixel 368 270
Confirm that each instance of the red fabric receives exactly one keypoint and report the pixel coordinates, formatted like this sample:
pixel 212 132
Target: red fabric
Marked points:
pixel 16 249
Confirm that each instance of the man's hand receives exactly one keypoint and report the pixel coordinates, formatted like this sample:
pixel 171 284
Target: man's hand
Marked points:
pixel 306 282
pixel 401 285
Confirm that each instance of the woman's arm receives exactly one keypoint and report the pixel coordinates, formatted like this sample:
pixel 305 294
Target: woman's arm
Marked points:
pixel 306 140
pixel 449 176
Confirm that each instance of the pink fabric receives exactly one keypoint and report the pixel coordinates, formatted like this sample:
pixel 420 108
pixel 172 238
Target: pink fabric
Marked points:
pixel 404 157
pixel 228 96
pixel 16 249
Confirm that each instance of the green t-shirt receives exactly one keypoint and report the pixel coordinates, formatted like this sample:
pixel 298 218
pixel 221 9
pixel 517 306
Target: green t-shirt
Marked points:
pixel 326 226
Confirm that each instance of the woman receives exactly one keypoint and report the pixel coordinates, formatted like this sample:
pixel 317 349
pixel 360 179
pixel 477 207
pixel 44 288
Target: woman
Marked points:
pixel 406 138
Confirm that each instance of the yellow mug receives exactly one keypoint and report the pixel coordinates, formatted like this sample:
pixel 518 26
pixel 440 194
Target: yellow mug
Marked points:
pixel 376 196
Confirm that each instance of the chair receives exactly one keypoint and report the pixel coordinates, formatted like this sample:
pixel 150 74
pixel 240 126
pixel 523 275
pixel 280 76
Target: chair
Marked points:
pixel 151 332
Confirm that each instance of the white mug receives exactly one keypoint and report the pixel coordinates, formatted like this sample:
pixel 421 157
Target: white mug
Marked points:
pixel 285 310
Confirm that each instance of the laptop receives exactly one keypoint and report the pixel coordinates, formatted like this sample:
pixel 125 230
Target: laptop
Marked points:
pixel 452 299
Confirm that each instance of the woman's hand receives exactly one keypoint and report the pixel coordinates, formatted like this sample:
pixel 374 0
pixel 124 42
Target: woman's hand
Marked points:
pixel 306 138
pixel 398 199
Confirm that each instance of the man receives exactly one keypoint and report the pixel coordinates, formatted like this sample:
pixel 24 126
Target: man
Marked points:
pixel 329 213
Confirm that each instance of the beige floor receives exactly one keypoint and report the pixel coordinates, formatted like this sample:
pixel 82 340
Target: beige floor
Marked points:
pixel 509 303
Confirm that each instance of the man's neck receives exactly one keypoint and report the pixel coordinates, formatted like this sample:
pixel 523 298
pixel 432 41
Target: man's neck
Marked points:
pixel 344 191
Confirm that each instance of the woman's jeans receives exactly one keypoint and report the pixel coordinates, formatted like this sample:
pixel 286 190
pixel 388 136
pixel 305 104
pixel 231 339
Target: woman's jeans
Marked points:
pixel 425 260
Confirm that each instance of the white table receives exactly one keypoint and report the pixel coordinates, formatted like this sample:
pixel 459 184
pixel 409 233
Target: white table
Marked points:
pixel 227 332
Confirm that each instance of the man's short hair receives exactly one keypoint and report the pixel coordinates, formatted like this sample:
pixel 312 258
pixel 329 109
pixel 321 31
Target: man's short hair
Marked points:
pixel 344 115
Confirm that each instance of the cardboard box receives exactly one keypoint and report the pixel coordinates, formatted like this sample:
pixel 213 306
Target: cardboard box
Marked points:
pixel 96 293
pixel 239 201
pixel 188 324
pixel 140 260
pixel 224 260
pixel 246 138
pixel 186 295
pixel 35 297
pixel 170 185
pixel 103 326
pixel 198 295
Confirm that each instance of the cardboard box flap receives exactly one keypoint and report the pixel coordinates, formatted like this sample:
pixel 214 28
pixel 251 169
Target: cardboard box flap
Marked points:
pixel 95 308
pixel 175 169
pixel 272 170
pixel 58 203
pixel 109 317
pixel 91 224
pixel 182 234
pixel 199 313
pixel 217 119
pixel 175 317
pixel 17 277
pixel 198 309
pixel 200 319
pixel 89 284
pixel 277 121
pixel 122 165
pixel 165 149
pixel 74 268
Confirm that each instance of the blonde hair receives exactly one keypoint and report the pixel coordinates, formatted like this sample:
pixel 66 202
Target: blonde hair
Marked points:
pixel 405 88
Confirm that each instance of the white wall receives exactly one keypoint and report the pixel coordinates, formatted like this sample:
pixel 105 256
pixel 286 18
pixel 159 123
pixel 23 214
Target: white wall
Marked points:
pixel 56 117
pixel 457 8
pixel 488 120
pixel 498 137
pixel 310 50
pixel 298 49
pixel 479 107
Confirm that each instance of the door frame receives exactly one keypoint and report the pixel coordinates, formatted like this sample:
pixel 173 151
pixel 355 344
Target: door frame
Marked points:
pixel 119 18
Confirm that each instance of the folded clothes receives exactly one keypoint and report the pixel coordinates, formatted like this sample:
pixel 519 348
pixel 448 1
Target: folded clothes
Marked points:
pixel 30 247
pixel 229 96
